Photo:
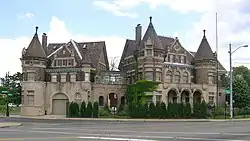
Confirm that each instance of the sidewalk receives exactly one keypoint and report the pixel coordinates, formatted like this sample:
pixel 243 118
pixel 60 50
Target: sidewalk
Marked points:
pixel 58 117
pixel 9 124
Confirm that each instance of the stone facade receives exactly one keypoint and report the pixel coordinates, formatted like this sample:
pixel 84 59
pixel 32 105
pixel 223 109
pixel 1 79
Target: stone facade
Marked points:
pixel 57 73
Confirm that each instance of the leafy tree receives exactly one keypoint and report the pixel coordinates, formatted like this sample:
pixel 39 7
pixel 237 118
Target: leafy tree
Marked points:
pixel 83 109
pixel 96 110
pixel 241 93
pixel 89 110
pixel 244 72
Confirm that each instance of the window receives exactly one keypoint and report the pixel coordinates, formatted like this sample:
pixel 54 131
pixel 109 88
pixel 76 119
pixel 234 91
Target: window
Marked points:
pixel 185 77
pixel 101 101
pixel 157 76
pixel 211 99
pixel 70 62
pixel 68 77
pixel 86 76
pixel 177 59
pixel 25 77
pixel 31 76
pixel 58 78
pixel 149 76
pixel 169 76
pixel 64 62
pixel 171 59
pixel 177 77
pixel 55 62
pixel 182 59
pixel 59 62
pixel 30 99
pixel 22 99
pixel 210 79
pixel 149 52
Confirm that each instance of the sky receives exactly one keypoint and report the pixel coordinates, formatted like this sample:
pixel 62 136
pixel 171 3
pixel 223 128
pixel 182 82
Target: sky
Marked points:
pixel 114 21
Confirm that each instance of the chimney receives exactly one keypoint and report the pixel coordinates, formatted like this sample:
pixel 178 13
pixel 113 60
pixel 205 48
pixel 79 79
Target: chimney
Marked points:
pixel 44 42
pixel 138 31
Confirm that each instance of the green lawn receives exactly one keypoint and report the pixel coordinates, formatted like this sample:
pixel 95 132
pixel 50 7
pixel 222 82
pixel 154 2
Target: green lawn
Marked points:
pixel 13 110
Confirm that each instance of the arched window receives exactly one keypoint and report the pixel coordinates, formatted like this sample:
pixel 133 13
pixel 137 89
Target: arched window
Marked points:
pixel 177 77
pixel 101 101
pixel 169 76
pixel 185 77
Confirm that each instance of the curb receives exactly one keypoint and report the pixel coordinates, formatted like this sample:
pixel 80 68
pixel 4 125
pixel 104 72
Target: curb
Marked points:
pixel 14 125
pixel 134 120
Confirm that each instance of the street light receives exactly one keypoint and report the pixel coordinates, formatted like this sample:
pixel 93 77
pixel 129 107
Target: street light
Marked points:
pixel 231 77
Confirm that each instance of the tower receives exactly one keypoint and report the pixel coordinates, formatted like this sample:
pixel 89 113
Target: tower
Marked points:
pixel 205 63
pixel 34 62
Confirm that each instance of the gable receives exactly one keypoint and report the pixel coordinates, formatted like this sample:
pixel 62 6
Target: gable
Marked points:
pixel 63 52
pixel 177 48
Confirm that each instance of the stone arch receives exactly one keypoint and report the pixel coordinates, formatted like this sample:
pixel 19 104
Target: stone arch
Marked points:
pixel 172 96
pixel 169 76
pixel 177 77
pixel 185 96
pixel 59 104
pixel 112 100
pixel 122 100
pixel 101 101
pixel 197 96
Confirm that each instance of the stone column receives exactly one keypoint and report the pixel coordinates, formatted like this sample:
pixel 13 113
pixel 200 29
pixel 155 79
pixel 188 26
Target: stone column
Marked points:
pixel 87 76
pixel 154 97
pixel 178 98
pixel 53 77
pixel 63 77
pixel 73 77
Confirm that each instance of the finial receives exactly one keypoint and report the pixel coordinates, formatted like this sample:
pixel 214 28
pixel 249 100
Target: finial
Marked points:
pixel 204 31
pixel 150 19
pixel 36 29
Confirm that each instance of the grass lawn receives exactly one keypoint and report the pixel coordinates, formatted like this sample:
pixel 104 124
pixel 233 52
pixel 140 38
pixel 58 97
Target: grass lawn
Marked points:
pixel 13 110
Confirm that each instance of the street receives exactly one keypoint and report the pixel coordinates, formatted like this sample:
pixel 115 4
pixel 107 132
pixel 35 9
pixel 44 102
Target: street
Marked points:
pixel 65 130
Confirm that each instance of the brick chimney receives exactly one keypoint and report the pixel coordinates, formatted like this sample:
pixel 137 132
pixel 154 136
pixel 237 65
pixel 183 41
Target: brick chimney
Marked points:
pixel 44 42
pixel 138 31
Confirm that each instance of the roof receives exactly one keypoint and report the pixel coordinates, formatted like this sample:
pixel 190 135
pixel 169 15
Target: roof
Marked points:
pixel 204 50
pixel 86 52
pixel 35 48
pixel 152 35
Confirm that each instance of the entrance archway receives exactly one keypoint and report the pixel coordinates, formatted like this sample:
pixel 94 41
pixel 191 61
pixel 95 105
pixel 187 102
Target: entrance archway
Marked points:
pixel 185 96
pixel 197 97
pixel 172 96
pixel 112 100
pixel 59 104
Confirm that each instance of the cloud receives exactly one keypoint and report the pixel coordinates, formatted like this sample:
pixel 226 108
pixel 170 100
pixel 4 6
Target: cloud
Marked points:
pixel 12 48
pixel 233 23
pixel 27 15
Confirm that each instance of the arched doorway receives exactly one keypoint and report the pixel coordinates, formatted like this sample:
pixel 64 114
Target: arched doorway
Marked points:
pixel 197 97
pixel 122 100
pixel 59 104
pixel 185 96
pixel 172 96
pixel 112 100
pixel 101 101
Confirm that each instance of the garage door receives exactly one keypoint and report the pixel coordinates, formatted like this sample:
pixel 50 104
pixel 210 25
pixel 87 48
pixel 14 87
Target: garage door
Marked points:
pixel 59 106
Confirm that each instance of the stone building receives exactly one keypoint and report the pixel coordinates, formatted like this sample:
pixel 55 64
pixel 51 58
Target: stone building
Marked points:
pixel 57 73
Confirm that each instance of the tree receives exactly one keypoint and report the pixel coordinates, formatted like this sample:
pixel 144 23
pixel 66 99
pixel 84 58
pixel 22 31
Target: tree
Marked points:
pixel 244 72
pixel 241 93
pixel 83 109
pixel 96 110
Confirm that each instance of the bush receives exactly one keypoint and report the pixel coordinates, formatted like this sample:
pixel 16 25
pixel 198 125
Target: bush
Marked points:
pixel 181 109
pixel 145 110
pixel 83 109
pixel 163 110
pixel 96 110
pixel 158 110
pixel 73 110
pixel 124 111
pixel 151 110
pixel 187 110
pixel 103 112
pixel 170 110
pixel 89 110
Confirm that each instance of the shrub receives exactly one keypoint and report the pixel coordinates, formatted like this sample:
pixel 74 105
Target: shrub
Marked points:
pixel 83 109
pixel 187 110
pixel 158 110
pixel 103 112
pixel 145 110
pixel 96 110
pixel 170 110
pixel 89 110
pixel 181 109
pixel 163 110
pixel 73 110
pixel 151 110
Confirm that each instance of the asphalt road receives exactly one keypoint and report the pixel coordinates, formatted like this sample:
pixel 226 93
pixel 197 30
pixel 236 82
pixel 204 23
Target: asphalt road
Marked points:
pixel 51 130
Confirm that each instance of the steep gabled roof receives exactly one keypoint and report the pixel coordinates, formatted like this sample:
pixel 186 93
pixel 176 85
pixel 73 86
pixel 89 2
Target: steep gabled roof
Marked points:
pixel 204 50
pixel 151 33
pixel 35 48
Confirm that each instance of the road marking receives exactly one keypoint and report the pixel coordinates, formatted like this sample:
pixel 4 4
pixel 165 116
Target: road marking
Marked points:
pixel 16 139
pixel 126 136
pixel 114 139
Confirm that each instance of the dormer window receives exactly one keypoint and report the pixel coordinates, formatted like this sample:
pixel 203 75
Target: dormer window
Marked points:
pixel 149 52
pixel 64 51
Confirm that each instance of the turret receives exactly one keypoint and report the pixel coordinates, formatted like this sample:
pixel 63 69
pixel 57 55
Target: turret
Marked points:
pixel 34 62
pixel 205 63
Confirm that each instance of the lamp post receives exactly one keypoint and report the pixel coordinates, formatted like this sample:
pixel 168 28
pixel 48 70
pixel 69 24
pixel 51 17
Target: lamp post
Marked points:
pixel 231 77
